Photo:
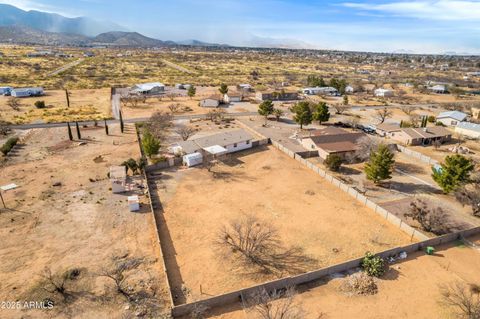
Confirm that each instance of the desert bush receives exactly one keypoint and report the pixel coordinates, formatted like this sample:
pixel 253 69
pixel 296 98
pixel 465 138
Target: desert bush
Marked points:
pixel 465 299
pixel 373 265
pixel 279 304
pixel 431 219
pixel 9 144
pixel 359 284
pixel 40 104
pixel 333 162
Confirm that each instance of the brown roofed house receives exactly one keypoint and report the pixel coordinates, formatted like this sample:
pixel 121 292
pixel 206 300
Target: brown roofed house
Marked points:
pixel 421 135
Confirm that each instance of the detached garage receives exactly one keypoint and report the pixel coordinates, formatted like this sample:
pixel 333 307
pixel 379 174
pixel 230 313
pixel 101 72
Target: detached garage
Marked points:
pixel 192 159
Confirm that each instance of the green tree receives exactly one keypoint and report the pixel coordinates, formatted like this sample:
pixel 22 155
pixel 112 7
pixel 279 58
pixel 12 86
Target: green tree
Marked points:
pixel 132 165
pixel 333 162
pixel 278 114
pixel 191 91
pixel 345 100
pixel 150 144
pixel 321 113
pixel 373 265
pixel 380 165
pixel 453 172
pixel 40 104
pixel 265 109
pixel 303 114
pixel 223 89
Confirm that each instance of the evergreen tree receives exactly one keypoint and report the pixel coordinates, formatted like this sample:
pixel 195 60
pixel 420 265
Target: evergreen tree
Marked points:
pixel 303 114
pixel 265 109
pixel 453 173
pixel 78 131
pixel 380 165
pixel 345 100
pixel 321 113
pixel 70 135
pixel 192 91
pixel 150 144
pixel 223 89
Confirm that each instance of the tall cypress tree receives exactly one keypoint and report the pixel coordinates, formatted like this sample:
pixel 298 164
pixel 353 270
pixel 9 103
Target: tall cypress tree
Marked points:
pixel 70 135
pixel 78 131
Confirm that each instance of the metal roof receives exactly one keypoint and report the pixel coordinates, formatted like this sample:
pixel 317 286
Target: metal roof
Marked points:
pixel 456 115
pixel 469 126
pixel 148 86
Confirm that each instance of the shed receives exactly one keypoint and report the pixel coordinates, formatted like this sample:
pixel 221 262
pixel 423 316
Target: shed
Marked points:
pixel 133 203
pixel 118 178
pixel 192 159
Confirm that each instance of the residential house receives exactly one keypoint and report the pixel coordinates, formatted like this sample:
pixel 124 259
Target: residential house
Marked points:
pixel 276 96
pixel 88 54
pixel 149 88
pixel 231 141
pixel 321 91
pixel 439 89
pixel 211 101
pixel 421 135
pixel 232 97
pixel 383 93
pixel 468 129
pixel 332 140
pixel 27 92
pixel 386 129
pixel 451 118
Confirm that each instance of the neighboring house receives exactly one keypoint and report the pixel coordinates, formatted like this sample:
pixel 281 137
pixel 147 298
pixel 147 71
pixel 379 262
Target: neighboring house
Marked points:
pixel 332 140
pixel 476 113
pixel 451 118
pixel 383 93
pixel 211 101
pixel 276 96
pixel 421 135
pixel 40 53
pixel 5 90
pixel 468 129
pixel 439 89
pixel 321 91
pixel 386 129
pixel 88 54
pixel 149 88
pixel 233 97
pixel 26 92
pixel 232 141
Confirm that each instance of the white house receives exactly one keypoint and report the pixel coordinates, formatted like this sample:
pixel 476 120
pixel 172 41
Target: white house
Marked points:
pixel 192 159
pixel 320 90
pixel 451 118
pixel 149 88
pixel 212 101
pixel 383 93
pixel 439 89
pixel 26 92
pixel 232 97
pixel 468 129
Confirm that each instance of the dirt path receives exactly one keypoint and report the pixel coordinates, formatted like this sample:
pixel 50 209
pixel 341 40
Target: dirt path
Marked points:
pixel 66 67
pixel 177 67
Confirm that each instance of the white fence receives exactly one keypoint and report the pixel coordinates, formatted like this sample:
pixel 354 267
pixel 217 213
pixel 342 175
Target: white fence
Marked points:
pixel 417 155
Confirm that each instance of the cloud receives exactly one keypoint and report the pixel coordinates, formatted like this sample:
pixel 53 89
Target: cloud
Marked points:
pixel 39 6
pixel 432 10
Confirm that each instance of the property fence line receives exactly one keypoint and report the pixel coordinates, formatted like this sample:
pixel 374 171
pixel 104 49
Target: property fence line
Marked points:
pixel 239 295
pixel 390 217
pixel 417 155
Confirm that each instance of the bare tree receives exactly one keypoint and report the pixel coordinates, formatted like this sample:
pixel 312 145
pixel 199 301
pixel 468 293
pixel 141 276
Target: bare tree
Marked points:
pixel 158 123
pixel 4 128
pixel 279 304
pixel 185 132
pixel 365 146
pixel 469 194
pixel 340 108
pixel 431 219
pixel 382 114
pixel 256 246
pixel 407 109
pixel 174 107
pixel 216 115
pixel 14 103
pixel 171 96
pixel 118 274
pixel 56 283
pixel 465 299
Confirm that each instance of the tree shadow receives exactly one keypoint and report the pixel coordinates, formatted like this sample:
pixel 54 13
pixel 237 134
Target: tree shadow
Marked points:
pixel 412 188
pixel 409 168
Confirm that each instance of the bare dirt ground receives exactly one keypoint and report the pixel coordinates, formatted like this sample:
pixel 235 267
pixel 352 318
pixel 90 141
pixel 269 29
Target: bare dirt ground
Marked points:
pixel 84 105
pixel 410 289
pixel 76 225
pixel 446 149
pixel 306 210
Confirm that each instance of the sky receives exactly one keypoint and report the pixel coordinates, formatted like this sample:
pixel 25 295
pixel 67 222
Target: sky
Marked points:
pixel 423 26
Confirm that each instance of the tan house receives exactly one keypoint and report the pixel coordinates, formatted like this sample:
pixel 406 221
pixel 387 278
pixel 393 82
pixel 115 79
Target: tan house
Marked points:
pixel 211 101
pixel 386 129
pixel 421 135
pixel 332 140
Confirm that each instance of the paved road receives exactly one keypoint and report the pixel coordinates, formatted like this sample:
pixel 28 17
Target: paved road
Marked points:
pixel 358 107
pixel 131 120
pixel 66 67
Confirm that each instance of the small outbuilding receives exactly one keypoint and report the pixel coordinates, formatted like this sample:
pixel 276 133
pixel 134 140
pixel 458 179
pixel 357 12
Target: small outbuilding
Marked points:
pixel 211 101
pixel 383 93
pixel 133 203
pixel 118 179
pixel 192 159
pixel 27 92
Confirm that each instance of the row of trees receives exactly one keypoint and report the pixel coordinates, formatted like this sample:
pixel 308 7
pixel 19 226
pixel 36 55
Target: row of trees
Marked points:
pixel 305 112
pixel 317 81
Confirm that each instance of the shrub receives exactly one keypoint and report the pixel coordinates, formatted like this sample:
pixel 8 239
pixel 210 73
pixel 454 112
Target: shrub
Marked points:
pixel 150 144
pixel 359 284
pixel 40 104
pixel 333 162
pixel 373 265
pixel 9 144
pixel 431 119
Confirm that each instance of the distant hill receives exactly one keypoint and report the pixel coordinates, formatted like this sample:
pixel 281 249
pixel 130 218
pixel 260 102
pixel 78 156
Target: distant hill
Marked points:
pixel 26 35
pixel 132 39
pixel 200 43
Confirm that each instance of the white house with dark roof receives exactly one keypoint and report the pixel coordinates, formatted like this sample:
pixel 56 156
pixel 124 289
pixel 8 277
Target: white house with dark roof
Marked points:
pixel 149 88
pixel 451 118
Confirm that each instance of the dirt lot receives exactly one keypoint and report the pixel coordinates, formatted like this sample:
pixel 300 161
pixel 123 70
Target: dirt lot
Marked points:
pixel 76 225
pixel 312 214
pixel 420 274
pixel 84 105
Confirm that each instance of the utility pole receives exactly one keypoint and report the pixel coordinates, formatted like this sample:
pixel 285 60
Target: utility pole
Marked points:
pixel 3 202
